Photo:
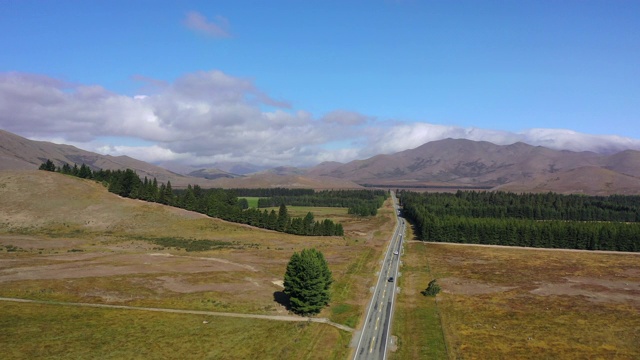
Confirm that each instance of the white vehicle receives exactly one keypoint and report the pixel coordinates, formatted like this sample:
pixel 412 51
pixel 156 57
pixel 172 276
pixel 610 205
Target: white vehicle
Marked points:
pixel 395 252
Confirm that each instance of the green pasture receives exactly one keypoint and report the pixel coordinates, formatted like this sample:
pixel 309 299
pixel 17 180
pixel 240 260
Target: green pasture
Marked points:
pixel 252 200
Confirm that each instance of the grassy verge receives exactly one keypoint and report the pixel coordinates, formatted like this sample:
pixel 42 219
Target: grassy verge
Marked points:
pixel 417 319
pixel 350 291
pixel 64 332
pixel 345 309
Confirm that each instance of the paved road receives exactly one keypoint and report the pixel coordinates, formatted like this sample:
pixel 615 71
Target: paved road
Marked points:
pixel 374 337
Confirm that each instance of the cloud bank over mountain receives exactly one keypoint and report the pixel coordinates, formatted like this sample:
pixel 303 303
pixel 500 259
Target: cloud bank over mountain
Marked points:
pixel 209 116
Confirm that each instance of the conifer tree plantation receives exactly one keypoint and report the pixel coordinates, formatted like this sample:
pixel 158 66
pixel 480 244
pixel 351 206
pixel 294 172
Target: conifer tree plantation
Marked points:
pixel 531 220
pixel 307 282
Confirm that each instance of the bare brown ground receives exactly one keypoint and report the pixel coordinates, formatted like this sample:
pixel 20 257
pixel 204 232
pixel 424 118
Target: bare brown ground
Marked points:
pixel 34 243
pixel 468 287
pixel 594 289
pixel 71 266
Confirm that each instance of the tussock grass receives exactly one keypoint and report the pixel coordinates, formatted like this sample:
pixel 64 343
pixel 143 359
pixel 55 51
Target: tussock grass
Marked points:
pixel 190 244
pixel 37 331
pixel 492 305
pixel 345 309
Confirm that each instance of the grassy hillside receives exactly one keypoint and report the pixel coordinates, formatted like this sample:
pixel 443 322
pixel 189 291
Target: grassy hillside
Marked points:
pixel 68 239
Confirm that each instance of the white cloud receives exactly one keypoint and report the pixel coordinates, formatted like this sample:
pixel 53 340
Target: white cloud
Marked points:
pixel 571 140
pixel 218 28
pixel 402 136
pixel 208 117
pixel 152 153
pixel 345 117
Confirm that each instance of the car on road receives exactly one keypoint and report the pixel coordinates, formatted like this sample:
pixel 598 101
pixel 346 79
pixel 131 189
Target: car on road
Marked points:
pixel 395 252
pixel 390 279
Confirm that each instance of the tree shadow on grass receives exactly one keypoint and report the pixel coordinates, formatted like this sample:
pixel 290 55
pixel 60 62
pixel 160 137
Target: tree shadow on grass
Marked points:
pixel 283 299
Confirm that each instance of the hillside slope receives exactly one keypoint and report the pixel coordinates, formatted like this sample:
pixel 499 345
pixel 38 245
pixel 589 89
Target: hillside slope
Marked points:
pixel 591 180
pixel 269 180
pixel 18 153
pixel 71 203
pixel 463 161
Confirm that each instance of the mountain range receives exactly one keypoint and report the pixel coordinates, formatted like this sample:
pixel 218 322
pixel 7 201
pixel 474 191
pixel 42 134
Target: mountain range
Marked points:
pixel 520 167
pixel 444 164
pixel 19 153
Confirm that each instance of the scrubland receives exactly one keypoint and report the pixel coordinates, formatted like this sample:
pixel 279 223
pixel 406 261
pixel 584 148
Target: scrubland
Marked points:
pixel 514 303
pixel 64 239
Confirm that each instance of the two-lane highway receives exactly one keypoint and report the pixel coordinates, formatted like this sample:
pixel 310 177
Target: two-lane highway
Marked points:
pixel 374 337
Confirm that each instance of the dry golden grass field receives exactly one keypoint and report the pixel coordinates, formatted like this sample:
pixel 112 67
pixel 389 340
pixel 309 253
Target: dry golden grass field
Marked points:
pixel 63 239
pixel 69 240
pixel 512 303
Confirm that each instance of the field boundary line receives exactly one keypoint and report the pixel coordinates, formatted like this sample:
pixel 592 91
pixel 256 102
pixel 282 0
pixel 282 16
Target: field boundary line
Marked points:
pixel 613 252
pixel 183 311
pixel 438 314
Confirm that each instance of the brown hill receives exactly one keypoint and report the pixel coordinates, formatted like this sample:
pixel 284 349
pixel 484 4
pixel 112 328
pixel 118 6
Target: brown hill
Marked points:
pixel 268 180
pixel 19 153
pixel 625 162
pixel 591 180
pixel 212 174
pixel 468 164
pixel 462 162
pixel 449 163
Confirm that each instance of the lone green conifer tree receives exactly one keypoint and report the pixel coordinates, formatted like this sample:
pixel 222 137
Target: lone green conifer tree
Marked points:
pixel 307 282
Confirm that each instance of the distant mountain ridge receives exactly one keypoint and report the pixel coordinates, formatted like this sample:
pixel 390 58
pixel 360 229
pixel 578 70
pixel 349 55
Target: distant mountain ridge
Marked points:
pixel 480 164
pixel 18 153
pixel 212 174
pixel 448 163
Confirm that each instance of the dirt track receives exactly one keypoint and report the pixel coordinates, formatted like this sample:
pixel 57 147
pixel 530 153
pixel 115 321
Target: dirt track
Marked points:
pixel 195 312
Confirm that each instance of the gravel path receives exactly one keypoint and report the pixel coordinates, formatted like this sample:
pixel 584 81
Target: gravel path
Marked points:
pixel 195 312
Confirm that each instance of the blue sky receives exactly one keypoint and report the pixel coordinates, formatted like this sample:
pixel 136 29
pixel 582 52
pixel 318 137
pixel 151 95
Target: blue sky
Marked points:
pixel 299 82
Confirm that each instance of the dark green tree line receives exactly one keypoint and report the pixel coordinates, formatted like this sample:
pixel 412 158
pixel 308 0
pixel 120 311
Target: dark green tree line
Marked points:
pixel 549 206
pixel 492 219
